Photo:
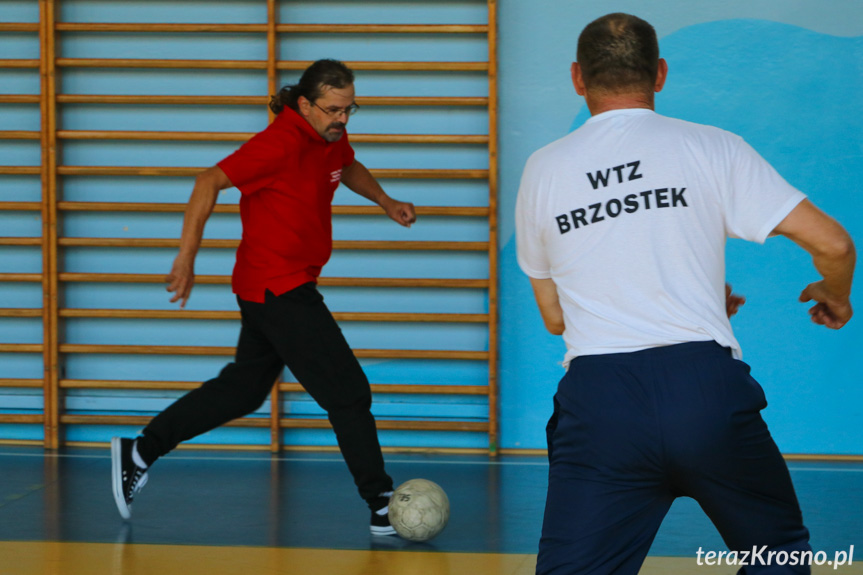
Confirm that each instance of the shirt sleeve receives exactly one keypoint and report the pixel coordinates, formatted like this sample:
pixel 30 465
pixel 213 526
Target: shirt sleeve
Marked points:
pixel 757 198
pixel 255 164
pixel 347 151
pixel 530 247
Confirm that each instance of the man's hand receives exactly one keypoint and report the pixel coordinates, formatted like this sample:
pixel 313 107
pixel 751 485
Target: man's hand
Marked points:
pixel 401 212
pixel 358 179
pixel 181 280
pixel 733 301
pixel 200 206
pixel 834 256
pixel 830 311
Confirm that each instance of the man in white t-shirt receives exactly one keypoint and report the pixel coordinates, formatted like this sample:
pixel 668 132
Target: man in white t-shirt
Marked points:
pixel 621 227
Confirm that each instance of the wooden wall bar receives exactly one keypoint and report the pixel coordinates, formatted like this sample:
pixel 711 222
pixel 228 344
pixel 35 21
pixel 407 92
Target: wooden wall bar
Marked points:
pixel 492 225
pixel 53 209
pixel 50 232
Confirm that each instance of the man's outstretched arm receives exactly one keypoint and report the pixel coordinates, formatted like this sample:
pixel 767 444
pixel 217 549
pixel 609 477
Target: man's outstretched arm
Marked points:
pixel 207 186
pixel 834 256
pixel 359 180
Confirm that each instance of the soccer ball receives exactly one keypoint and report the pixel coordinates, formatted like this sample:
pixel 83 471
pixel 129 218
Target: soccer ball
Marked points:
pixel 418 509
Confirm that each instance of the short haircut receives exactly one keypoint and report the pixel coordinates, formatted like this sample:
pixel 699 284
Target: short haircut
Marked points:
pixel 618 53
pixel 311 86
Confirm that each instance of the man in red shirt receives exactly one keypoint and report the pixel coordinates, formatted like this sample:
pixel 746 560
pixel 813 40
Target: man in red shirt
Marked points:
pixel 287 175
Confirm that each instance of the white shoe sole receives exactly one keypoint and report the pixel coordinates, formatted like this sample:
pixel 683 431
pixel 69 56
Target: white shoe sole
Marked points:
pixel 383 530
pixel 117 478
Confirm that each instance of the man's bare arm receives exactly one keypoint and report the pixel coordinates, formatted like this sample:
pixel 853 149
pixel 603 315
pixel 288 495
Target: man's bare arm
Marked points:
pixel 545 292
pixel 359 180
pixel 833 255
pixel 207 186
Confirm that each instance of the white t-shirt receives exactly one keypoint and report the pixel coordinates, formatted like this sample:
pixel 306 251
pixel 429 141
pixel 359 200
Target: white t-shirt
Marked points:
pixel 629 215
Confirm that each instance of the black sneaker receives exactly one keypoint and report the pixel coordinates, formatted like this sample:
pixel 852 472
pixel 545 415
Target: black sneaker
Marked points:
pixel 380 524
pixel 127 479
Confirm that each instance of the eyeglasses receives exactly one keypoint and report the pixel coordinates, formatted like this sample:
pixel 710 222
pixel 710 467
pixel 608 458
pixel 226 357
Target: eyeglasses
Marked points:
pixel 336 112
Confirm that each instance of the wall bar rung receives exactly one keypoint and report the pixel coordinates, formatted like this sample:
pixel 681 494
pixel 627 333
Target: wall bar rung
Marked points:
pixel 12 241
pixel 23 383
pixel 23 278
pixel 120 384
pixel 179 172
pixel 229 351
pixel 235 315
pixel 382 28
pixel 137 63
pixel 158 27
pixel 21 418
pixel 284 423
pixel 408 389
pixel 18 63
pixel 157 136
pixel 243 136
pixel 428 425
pixel 260 28
pixel 233 244
pixel 341 210
pixel 21 347
pixel 19 26
pixel 133 63
pixel 163 100
pixel 20 170
pixel 208 100
pixel 289 387
pixel 226 280
pixel 20 312
pixel 19 99
pixel 19 135
pixel 20 206
pixel 421 101
pixel 398 66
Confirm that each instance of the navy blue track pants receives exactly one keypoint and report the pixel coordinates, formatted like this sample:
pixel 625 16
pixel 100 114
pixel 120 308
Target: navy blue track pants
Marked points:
pixel 632 431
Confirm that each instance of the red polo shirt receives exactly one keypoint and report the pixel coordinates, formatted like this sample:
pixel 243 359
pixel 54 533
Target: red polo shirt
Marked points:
pixel 287 175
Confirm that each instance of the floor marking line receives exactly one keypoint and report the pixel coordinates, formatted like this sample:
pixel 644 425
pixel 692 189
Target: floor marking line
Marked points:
pixel 391 460
pixel 292 459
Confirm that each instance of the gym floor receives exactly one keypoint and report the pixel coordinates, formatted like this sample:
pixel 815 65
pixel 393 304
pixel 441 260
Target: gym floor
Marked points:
pixel 206 512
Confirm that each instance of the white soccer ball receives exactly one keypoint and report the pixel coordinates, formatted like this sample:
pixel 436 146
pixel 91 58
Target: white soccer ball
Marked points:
pixel 419 509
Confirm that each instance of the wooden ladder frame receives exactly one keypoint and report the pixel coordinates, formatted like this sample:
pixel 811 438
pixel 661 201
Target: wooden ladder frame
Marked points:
pixel 51 208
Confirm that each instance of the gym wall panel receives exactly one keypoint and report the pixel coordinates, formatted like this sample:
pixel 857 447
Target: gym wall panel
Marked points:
pixel 122 130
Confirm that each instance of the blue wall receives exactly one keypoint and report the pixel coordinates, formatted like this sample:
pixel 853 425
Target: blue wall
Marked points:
pixel 787 76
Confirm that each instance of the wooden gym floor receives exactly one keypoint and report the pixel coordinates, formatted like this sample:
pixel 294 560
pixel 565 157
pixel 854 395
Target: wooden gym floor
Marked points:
pixel 229 513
